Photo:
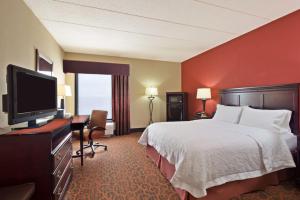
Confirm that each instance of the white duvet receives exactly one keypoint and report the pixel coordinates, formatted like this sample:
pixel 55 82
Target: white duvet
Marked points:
pixel 208 153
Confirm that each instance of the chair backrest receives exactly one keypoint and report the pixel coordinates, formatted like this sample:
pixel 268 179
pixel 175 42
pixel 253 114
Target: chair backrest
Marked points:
pixel 98 118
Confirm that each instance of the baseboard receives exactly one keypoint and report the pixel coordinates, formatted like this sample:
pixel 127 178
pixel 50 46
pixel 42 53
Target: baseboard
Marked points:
pixel 134 130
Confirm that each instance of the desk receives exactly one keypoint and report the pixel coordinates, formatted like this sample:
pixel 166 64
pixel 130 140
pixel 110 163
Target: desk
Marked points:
pixel 78 123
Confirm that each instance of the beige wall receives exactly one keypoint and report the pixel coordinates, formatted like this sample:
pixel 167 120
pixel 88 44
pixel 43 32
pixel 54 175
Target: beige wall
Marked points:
pixel 20 33
pixel 164 75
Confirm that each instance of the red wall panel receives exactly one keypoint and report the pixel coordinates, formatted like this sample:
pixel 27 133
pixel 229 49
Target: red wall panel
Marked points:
pixel 265 56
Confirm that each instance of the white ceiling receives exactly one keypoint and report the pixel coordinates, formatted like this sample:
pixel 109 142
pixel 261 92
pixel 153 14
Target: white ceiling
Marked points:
pixel 169 30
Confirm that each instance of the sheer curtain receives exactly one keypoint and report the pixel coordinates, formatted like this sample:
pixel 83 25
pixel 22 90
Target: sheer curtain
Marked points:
pixel 120 104
pixel 94 92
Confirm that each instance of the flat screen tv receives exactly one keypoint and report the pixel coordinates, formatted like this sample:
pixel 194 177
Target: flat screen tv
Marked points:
pixel 30 95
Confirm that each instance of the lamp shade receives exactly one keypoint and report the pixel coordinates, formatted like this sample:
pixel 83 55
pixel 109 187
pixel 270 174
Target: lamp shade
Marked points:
pixel 151 91
pixel 64 91
pixel 203 93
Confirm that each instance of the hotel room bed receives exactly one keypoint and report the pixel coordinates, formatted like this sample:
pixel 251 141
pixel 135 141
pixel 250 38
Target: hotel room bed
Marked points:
pixel 291 141
pixel 211 159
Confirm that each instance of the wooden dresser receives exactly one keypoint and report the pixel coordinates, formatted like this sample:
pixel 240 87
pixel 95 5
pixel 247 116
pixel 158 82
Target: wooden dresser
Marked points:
pixel 40 155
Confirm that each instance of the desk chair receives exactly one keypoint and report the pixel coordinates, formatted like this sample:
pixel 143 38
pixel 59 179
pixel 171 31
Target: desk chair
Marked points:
pixel 97 124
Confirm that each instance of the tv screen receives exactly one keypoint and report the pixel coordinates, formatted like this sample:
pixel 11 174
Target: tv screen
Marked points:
pixel 31 95
pixel 34 93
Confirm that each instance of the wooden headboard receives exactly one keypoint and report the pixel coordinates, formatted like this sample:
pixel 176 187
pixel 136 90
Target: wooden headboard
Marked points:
pixel 266 97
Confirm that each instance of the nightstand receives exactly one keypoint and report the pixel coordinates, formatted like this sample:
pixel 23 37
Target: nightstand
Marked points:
pixel 298 161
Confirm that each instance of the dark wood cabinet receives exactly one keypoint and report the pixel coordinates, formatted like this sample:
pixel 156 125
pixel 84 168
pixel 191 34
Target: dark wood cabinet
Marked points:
pixel 176 106
pixel 42 156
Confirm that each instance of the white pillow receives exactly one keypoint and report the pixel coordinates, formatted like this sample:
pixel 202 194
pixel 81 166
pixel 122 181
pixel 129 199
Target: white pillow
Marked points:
pixel 228 113
pixel 274 120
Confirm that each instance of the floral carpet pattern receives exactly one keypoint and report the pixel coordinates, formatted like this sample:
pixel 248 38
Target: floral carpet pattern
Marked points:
pixel 123 172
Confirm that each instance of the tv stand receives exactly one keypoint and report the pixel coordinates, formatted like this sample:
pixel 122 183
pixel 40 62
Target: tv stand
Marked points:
pixel 41 155
pixel 34 124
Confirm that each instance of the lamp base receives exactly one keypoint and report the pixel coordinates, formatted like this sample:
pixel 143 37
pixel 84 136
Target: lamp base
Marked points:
pixel 151 98
pixel 202 115
pixel 62 103
pixel 60 114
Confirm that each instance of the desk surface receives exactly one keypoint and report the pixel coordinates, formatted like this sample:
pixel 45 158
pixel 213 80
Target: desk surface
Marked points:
pixel 80 119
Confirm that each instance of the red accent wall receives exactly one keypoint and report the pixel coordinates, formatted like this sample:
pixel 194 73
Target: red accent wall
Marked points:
pixel 265 56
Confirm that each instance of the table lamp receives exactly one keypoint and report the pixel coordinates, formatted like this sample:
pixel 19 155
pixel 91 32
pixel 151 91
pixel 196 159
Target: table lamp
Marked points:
pixel 63 91
pixel 151 92
pixel 203 94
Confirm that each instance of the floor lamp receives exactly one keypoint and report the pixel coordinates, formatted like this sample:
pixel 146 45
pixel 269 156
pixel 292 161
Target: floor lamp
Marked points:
pixel 151 92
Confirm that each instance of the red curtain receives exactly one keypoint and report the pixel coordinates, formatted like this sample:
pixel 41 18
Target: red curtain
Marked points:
pixel 120 105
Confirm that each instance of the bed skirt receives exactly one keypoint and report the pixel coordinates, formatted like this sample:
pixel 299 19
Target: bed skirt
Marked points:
pixel 225 191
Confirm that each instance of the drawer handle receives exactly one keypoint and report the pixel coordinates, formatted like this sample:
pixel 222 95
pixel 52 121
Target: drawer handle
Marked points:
pixel 59 191
pixel 58 175
pixel 58 156
pixel 71 165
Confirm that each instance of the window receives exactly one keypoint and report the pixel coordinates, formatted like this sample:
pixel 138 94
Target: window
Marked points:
pixel 94 92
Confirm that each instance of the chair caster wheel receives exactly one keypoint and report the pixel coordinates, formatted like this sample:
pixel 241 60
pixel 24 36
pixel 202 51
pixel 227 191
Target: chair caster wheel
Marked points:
pixel 105 148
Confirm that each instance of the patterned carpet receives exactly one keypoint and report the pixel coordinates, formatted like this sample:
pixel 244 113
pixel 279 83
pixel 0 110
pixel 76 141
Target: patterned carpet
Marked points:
pixel 125 173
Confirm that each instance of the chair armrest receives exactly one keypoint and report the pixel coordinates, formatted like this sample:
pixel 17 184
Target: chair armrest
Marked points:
pixel 98 128
pixel 21 192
